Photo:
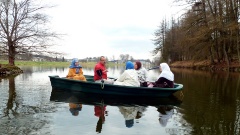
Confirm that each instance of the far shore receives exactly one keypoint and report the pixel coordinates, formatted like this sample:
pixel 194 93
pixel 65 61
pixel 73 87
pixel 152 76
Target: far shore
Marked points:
pixel 6 69
pixel 206 65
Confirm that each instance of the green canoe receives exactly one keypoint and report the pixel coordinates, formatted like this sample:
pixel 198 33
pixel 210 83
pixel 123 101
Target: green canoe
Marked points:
pixel 62 83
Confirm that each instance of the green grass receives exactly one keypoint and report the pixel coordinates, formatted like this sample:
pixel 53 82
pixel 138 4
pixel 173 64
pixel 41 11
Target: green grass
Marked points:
pixel 34 63
pixel 54 64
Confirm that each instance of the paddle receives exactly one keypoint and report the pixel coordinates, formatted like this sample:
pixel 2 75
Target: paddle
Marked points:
pixel 153 68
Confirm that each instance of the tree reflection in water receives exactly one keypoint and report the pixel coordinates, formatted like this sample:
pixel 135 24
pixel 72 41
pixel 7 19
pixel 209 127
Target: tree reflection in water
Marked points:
pixel 10 111
pixel 19 117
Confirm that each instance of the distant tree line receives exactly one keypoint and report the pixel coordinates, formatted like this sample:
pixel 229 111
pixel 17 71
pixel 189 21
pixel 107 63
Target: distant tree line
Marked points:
pixel 207 31
pixel 34 57
pixel 122 58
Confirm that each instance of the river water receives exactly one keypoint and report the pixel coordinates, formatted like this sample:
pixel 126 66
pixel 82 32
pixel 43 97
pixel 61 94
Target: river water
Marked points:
pixel 209 104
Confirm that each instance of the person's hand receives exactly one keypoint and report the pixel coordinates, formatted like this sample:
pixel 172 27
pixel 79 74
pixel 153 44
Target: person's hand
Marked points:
pixel 150 85
pixel 105 70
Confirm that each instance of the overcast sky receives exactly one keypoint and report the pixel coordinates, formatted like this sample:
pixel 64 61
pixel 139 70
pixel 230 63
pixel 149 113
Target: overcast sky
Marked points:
pixel 108 27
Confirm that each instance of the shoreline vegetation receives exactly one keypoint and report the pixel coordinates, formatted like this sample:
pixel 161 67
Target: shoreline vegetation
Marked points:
pixel 234 66
pixel 6 70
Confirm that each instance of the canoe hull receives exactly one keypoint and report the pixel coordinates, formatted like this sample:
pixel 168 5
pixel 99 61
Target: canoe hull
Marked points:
pixel 99 88
pixel 113 100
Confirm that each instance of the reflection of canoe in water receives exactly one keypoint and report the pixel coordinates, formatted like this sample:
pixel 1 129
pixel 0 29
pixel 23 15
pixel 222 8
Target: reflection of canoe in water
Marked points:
pixel 99 88
pixel 97 99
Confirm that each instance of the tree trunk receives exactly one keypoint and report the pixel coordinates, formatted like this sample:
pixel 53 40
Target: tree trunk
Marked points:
pixel 238 49
pixel 11 53
pixel 225 54
pixel 211 55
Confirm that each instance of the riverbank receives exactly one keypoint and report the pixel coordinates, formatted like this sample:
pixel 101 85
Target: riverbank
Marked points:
pixel 53 63
pixel 6 70
pixel 206 65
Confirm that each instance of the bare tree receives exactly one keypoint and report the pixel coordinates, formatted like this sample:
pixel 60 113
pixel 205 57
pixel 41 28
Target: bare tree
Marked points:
pixel 124 57
pixel 23 29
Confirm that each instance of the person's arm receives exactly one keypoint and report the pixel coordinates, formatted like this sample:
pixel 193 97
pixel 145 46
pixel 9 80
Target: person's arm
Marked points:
pixel 146 75
pixel 122 77
pixel 159 82
pixel 97 67
pixel 70 73
pixel 80 71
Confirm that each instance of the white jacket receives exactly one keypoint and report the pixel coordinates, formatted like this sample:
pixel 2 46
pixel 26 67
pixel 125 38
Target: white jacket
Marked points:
pixel 128 78
pixel 142 75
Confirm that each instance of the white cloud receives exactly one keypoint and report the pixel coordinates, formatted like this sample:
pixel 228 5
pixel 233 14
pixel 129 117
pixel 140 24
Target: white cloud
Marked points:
pixel 108 27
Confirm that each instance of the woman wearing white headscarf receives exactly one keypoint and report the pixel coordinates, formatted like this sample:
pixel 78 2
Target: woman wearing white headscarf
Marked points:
pixel 165 79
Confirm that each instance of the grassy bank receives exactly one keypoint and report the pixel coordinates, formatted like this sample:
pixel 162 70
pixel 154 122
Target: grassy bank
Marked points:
pixel 54 64
pixel 34 63
pixel 6 70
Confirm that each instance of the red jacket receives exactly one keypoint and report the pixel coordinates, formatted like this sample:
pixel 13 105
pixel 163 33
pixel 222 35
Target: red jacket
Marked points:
pixel 101 67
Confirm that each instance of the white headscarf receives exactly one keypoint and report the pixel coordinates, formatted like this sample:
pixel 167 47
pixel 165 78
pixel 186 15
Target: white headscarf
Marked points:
pixel 166 72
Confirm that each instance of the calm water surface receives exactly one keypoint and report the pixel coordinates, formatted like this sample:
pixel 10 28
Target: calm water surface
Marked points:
pixel 210 105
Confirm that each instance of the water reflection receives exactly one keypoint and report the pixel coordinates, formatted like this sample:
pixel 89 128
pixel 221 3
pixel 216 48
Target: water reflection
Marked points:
pixel 211 105
pixel 211 101
pixel 131 108
pixel 131 113
pixel 11 111
pixel 75 108
pixel 17 116
pixel 165 113
pixel 114 100
pixel 100 112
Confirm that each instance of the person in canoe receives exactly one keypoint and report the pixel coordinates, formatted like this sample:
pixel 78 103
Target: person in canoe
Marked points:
pixel 129 77
pixel 75 71
pixel 142 74
pixel 100 72
pixel 165 79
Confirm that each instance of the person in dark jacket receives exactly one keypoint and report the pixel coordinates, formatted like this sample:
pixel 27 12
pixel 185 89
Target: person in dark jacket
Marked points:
pixel 165 79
